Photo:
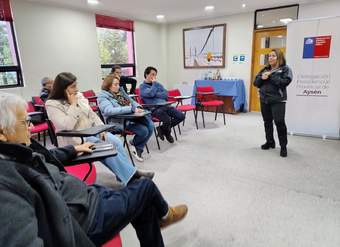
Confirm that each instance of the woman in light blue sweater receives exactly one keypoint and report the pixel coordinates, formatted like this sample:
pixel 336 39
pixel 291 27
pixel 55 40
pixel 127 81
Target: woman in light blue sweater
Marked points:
pixel 113 100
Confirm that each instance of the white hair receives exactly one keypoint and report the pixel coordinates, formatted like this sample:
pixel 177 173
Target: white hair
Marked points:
pixel 9 103
pixel 45 80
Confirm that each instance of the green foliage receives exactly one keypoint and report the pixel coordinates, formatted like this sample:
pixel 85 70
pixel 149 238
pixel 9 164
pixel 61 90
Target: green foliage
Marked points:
pixel 112 46
pixel 5 52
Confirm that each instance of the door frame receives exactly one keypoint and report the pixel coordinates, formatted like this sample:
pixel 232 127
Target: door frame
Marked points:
pixel 253 57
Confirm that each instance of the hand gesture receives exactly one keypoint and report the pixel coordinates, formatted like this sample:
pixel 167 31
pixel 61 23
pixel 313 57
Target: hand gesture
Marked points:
pixel 103 136
pixel 71 98
pixel 265 75
pixel 139 110
pixel 84 148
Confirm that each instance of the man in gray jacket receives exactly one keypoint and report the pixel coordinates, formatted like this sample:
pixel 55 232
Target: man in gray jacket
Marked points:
pixel 41 205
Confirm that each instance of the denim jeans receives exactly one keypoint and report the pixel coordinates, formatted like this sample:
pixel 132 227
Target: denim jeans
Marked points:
pixel 140 203
pixel 169 116
pixel 119 164
pixel 143 129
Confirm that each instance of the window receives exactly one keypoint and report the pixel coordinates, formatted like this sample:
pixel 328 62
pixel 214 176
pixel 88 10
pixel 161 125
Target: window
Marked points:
pixel 10 72
pixel 276 17
pixel 116 44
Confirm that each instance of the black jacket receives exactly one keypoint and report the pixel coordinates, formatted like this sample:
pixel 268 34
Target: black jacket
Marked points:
pixel 41 205
pixel 273 90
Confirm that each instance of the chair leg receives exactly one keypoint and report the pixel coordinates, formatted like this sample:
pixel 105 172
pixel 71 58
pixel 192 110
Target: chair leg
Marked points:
pixel 173 128
pixel 129 151
pixel 39 136
pixel 147 148
pixel 185 115
pixel 159 147
pixel 216 112
pixel 203 118
pixel 89 172
pixel 223 109
pixel 195 116
pixel 44 137
pixel 179 129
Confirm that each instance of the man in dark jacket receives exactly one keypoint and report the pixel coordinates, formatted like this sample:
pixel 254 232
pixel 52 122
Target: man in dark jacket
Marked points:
pixel 123 80
pixel 41 205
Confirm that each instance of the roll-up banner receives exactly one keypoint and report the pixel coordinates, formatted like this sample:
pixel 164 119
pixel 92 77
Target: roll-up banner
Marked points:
pixel 313 53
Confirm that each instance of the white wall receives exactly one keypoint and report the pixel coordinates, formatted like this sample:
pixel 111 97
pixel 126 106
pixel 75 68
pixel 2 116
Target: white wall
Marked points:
pixel 238 41
pixel 53 39
pixel 324 9
pixel 150 46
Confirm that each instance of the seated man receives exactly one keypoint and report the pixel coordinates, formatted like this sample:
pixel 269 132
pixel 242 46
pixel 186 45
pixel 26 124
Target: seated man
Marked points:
pixel 117 72
pixel 41 205
pixel 47 84
pixel 152 92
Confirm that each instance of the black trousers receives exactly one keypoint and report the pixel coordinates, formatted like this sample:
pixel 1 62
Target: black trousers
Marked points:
pixel 128 80
pixel 169 116
pixel 276 112
pixel 140 203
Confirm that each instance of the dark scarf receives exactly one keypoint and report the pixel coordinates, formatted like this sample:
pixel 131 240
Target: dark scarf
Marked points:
pixel 121 99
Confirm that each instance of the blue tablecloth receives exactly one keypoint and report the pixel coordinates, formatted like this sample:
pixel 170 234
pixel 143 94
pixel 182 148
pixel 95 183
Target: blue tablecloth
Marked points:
pixel 230 87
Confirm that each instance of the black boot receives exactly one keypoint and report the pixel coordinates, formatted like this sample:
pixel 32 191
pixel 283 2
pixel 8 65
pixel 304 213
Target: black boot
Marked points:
pixel 160 133
pixel 268 145
pixel 169 138
pixel 283 152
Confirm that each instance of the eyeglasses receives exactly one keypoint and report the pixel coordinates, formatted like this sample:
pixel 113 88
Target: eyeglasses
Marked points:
pixel 27 121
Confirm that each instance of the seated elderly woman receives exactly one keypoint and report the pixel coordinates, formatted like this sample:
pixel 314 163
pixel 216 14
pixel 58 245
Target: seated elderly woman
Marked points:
pixel 113 100
pixel 69 110
pixel 41 205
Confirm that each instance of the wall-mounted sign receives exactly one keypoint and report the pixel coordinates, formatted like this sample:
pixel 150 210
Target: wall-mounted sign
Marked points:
pixel 239 58
pixel 317 47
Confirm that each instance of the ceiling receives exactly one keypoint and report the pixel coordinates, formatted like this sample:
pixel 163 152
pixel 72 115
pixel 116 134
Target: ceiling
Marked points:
pixel 174 10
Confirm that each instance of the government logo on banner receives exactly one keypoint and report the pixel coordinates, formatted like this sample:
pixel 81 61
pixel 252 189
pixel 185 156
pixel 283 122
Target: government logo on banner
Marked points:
pixel 317 47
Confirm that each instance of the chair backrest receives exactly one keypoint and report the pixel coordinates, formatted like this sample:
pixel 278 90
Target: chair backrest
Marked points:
pixel 89 93
pixel 205 89
pixel 37 100
pixel 53 136
pixel 173 93
pixel 138 98
pixel 30 106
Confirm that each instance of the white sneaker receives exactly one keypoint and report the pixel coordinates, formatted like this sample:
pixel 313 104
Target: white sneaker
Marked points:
pixel 138 156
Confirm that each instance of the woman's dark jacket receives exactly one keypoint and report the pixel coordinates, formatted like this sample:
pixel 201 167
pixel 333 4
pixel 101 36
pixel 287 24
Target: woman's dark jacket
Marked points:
pixel 274 89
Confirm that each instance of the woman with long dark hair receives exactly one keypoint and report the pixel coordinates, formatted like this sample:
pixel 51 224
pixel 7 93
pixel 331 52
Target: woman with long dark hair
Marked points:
pixel 69 110
pixel 272 82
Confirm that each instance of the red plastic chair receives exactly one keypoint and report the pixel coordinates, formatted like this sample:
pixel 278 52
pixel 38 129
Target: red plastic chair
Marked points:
pixel 204 98
pixel 184 108
pixel 92 98
pixel 37 101
pixel 39 127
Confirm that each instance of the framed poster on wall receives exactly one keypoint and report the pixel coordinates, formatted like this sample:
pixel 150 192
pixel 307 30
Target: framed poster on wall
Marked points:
pixel 204 47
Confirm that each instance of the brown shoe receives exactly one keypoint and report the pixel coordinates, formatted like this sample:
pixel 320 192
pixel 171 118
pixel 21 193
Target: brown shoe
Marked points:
pixel 175 214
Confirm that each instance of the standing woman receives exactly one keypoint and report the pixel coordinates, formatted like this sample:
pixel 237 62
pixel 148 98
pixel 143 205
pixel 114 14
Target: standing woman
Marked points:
pixel 272 82
pixel 69 110
pixel 113 100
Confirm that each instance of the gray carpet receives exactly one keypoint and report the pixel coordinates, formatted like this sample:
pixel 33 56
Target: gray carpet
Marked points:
pixel 241 196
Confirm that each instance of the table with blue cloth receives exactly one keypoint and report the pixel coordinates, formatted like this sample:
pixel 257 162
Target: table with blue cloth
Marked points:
pixel 234 88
